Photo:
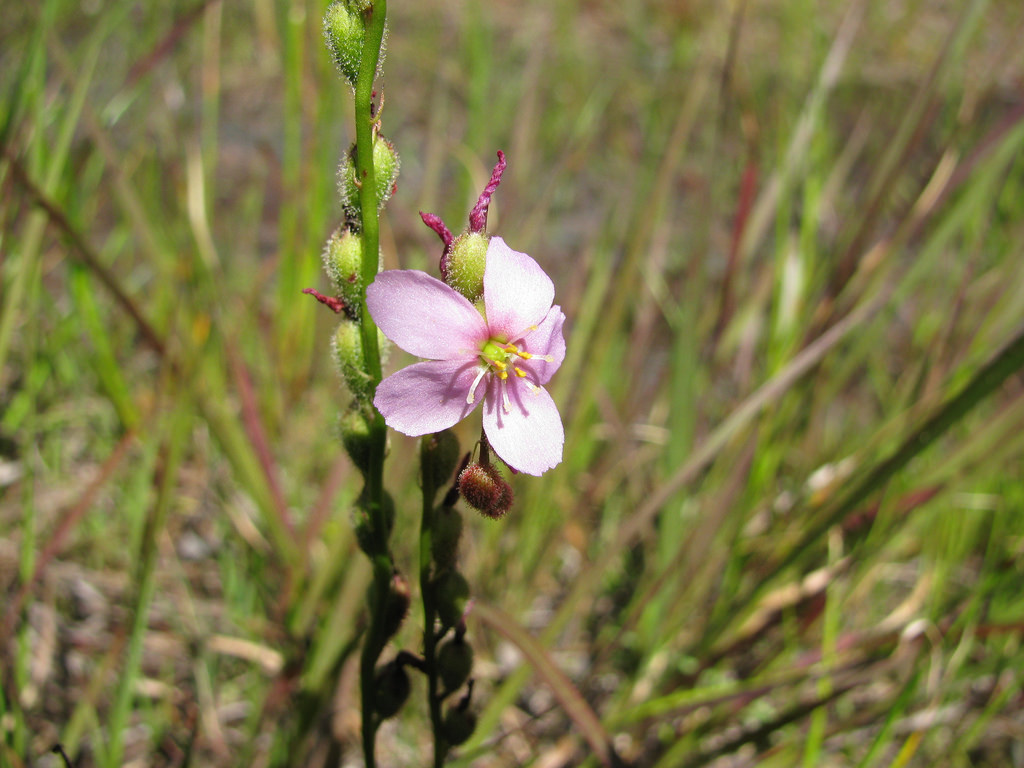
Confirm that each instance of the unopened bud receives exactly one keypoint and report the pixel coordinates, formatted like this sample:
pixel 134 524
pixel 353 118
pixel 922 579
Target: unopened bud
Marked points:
pixel 343 262
pixel 484 489
pixel 458 725
pixel 385 174
pixel 392 683
pixel 347 346
pixel 451 591
pixel 455 662
pixel 438 454
pixel 464 264
pixel 344 30
pixel 444 536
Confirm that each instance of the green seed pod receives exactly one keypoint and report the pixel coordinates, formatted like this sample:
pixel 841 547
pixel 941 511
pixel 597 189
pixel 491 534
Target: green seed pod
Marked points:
pixel 361 521
pixel 393 688
pixel 444 537
pixel 439 453
pixel 451 592
pixel 385 173
pixel 458 725
pixel 455 662
pixel 355 436
pixel 397 606
pixel 464 265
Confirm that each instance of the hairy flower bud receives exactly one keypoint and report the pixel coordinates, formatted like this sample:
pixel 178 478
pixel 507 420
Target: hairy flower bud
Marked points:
pixel 458 725
pixel 464 262
pixel 439 453
pixel 348 356
pixel 347 347
pixel 392 682
pixel 451 592
pixel 485 490
pixel 385 173
pixel 344 28
pixel 445 535
pixel 343 262
pixel 455 662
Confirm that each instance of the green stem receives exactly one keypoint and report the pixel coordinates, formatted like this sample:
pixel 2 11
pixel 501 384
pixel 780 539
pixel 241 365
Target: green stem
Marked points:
pixel 382 567
pixel 365 129
pixel 429 618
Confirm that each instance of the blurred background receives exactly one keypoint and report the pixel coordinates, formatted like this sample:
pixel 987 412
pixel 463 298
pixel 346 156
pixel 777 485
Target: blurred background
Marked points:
pixel 788 236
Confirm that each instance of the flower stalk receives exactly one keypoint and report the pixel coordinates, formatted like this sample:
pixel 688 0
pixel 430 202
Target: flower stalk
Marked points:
pixel 430 616
pixel 366 126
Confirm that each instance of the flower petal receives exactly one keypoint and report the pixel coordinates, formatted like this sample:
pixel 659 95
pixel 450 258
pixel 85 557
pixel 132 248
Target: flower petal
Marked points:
pixel 424 316
pixel 517 292
pixel 529 436
pixel 427 397
pixel 546 340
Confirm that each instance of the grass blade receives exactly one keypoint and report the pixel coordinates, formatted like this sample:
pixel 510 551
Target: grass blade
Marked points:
pixel 572 703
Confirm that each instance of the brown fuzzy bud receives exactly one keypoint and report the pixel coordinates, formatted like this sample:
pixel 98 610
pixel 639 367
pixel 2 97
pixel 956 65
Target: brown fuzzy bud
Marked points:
pixel 484 489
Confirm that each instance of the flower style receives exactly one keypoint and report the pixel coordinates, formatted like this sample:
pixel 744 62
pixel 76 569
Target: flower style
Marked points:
pixel 504 357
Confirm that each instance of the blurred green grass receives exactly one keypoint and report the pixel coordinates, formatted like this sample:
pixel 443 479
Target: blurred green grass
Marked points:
pixel 788 238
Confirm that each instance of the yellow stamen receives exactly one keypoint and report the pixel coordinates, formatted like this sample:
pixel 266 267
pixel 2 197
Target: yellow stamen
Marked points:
pixel 519 372
pixel 527 355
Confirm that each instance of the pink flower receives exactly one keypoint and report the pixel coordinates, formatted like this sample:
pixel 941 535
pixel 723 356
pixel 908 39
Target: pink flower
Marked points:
pixel 503 359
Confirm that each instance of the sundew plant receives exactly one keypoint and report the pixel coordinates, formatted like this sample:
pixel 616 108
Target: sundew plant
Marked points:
pixel 583 384
pixel 490 335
